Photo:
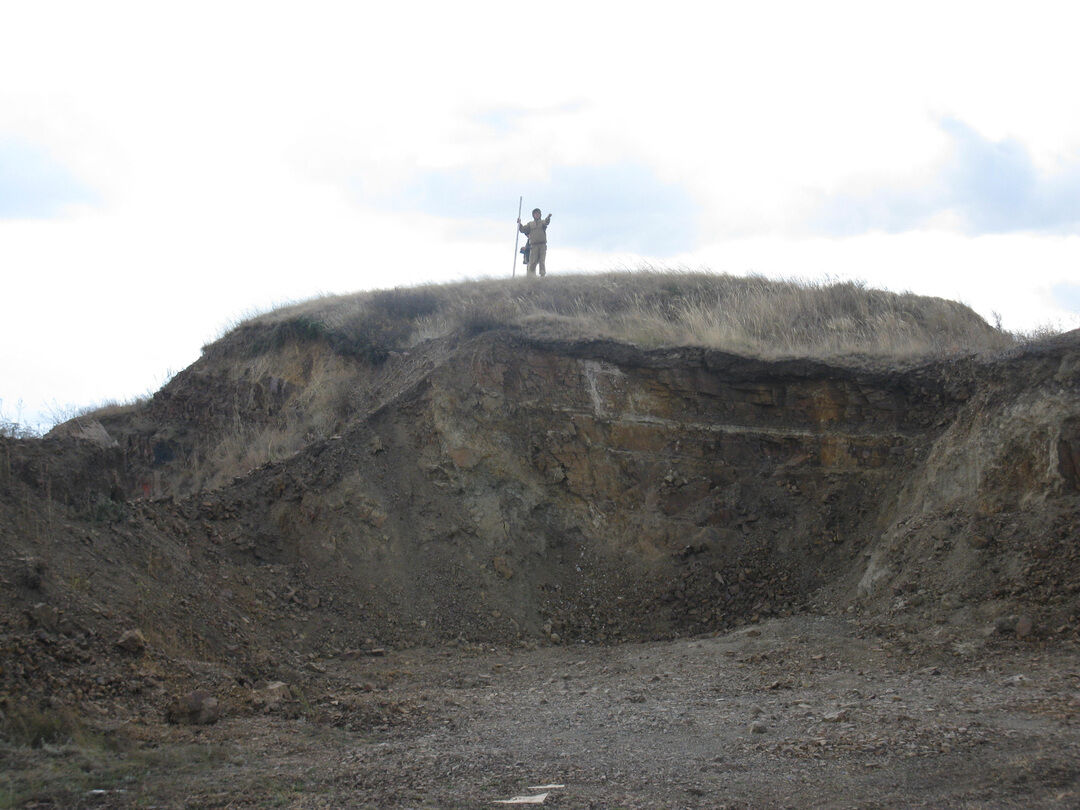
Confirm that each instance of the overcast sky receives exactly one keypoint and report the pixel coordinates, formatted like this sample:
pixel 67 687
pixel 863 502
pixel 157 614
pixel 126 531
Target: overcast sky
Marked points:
pixel 167 168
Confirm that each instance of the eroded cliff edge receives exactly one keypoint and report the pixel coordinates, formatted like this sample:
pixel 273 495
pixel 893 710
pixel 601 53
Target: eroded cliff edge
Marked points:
pixel 510 488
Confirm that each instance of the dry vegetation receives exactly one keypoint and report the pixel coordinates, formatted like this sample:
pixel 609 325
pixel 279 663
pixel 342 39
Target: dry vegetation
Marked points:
pixel 750 315
pixel 321 407
pixel 12 427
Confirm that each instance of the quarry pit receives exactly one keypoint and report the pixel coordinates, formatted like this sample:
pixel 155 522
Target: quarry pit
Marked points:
pixel 670 576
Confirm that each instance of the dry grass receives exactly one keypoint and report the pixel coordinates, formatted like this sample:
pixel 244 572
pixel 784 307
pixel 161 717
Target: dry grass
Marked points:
pixel 751 315
pixel 26 724
pixel 322 388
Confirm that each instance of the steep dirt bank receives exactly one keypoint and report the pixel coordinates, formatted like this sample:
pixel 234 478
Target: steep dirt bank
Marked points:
pixel 597 491
pixel 504 488
pixel 600 490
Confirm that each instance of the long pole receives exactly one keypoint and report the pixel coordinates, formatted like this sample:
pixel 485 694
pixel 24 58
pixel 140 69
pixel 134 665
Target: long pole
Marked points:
pixel 517 236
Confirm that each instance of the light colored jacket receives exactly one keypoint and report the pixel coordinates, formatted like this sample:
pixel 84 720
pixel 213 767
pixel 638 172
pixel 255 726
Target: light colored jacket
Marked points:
pixel 536 231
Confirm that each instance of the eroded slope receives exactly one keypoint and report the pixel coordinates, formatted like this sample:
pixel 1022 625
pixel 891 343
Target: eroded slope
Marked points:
pixel 508 488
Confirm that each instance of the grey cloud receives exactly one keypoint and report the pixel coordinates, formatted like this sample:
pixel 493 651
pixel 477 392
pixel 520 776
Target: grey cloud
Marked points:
pixel 991 186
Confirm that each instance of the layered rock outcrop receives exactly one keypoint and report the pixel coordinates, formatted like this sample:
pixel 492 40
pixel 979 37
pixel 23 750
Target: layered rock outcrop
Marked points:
pixel 506 487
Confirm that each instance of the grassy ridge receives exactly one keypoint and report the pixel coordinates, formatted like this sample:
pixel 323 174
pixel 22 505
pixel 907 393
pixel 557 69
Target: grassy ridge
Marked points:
pixel 751 315
pixel 747 315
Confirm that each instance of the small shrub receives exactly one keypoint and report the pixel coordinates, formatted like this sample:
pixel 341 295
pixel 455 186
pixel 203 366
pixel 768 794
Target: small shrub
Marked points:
pixel 13 430
pixel 23 724
pixel 31 573
pixel 106 510
pixel 300 330
pixel 12 427
pixel 478 317
pixel 404 304
pixel 371 335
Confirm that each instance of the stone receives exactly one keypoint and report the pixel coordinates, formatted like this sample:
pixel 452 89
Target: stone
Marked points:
pixel 758 727
pixel 132 641
pixel 196 708
pixel 271 695
pixel 1006 624
pixel 32 573
pixel 95 433
pixel 951 601
pixel 464 458
pixel 44 616
pixel 1024 626
pixel 502 567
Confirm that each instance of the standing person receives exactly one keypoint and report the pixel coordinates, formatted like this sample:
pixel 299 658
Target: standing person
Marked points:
pixel 537 233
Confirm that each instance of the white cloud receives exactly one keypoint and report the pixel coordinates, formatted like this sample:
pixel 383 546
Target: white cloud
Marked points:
pixel 221 139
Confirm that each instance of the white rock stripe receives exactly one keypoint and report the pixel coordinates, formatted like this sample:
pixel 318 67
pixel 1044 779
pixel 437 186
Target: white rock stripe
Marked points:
pixel 539 798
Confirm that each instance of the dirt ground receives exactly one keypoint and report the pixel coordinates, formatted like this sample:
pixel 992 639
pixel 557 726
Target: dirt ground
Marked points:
pixel 796 712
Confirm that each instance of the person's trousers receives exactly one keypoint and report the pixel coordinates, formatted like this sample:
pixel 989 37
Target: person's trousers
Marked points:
pixel 537 254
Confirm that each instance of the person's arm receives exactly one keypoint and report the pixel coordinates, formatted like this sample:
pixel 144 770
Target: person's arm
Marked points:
pixel 523 228
pixel 547 221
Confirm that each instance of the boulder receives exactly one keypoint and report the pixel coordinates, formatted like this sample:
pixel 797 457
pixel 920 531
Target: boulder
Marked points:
pixel 196 708
pixel 44 616
pixel 132 641
pixel 1024 626
pixel 271 695
pixel 502 567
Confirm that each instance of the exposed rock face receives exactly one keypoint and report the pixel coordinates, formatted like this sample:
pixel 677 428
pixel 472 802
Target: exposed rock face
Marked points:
pixel 601 491
pixel 506 487
pixel 989 516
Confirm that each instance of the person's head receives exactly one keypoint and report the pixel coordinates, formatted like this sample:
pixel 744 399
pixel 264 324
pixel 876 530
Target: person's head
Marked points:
pixel 536 213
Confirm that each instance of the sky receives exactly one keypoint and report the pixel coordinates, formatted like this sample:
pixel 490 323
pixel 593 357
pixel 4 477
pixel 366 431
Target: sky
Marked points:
pixel 168 169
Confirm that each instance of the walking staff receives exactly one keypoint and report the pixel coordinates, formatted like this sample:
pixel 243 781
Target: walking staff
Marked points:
pixel 517 236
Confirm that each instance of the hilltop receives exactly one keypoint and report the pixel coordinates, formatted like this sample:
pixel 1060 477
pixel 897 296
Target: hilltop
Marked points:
pixel 300 374
pixel 380 490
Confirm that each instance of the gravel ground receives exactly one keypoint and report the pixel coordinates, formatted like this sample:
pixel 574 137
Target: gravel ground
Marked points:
pixel 793 712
